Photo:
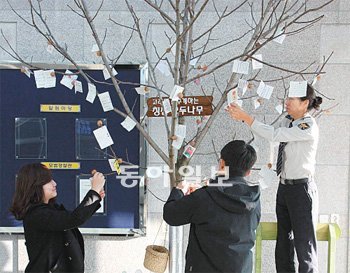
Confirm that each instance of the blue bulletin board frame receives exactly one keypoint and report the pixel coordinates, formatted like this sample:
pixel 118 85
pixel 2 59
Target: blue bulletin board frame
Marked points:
pixel 126 208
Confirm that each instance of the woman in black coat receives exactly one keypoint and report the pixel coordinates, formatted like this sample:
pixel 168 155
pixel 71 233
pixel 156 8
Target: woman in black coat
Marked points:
pixel 53 241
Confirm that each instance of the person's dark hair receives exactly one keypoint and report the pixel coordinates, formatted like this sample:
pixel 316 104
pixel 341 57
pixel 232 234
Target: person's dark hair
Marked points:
pixel 29 188
pixel 239 157
pixel 314 101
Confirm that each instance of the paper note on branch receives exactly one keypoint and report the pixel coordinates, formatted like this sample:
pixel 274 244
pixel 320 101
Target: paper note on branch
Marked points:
pixel 91 93
pixel 68 80
pixel 264 90
pixel 106 73
pixel 45 78
pixel 163 67
pixel 267 177
pixel 103 137
pixel 242 85
pixel 26 71
pixel 279 36
pixel 166 106
pixel 142 90
pixel 297 89
pixel 256 64
pixel 78 87
pixel 128 124
pixel 240 67
pixel 113 163
pixel 106 101
pixel 177 90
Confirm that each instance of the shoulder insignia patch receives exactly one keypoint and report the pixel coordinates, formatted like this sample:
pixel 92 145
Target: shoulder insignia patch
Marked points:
pixel 303 126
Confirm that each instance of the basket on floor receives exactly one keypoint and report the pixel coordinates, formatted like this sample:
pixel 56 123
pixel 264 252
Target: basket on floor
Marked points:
pixel 156 258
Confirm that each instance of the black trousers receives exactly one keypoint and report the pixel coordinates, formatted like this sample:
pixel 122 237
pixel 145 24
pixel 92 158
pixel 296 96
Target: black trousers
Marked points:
pixel 297 211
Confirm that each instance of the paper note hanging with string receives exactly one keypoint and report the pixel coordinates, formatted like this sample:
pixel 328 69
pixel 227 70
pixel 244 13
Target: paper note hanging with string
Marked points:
pixel 103 137
pixel 279 109
pixel 264 90
pixel 45 78
pixel 163 67
pixel 106 73
pixel 180 130
pixel 194 61
pixel 189 151
pixel 267 177
pixel 142 90
pixel 256 103
pixel 128 124
pixel 95 48
pixel 240 67
pixel 177 90
pixel 280 36
pixel 166 106
pixel 78 87
pixel 177 142
pixel 68 80
pixel 255 63
pixel 26 71
pixel 243 85
pixel 106 101
pixel 113 163
pixel 297 89
pixel 91 93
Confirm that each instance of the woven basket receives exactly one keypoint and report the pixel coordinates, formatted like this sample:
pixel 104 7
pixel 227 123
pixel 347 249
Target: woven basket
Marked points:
pixel 156 258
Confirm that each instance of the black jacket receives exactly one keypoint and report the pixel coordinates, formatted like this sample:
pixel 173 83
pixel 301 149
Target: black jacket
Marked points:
pixel 223 223
pixel 54 244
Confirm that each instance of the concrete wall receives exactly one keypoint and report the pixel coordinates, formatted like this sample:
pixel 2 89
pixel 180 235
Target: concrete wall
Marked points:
pixel 118 254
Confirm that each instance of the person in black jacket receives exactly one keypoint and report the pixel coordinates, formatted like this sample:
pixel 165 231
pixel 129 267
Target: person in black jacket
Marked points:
pixel 53 241
pixel 223 215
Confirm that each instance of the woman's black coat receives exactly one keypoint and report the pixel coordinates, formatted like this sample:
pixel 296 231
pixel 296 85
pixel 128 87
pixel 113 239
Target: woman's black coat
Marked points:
pixel 53 241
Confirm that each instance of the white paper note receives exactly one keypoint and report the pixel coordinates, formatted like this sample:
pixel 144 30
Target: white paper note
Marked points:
pixel 163 67
pixel 177 143
pixel 257 64
pixel 78 87
pixel 166 106
pixel 180 130
pixel 68 80
pixel 44 78
pixel 128 124
pixel 243 85
pixel 103 137
pixel 264 90
pixel 267 177
pixel 176 91
pixel 106 74
pixel 240 67
pixel 279 108
pixel 95 48
pixel 142 90
pixel 84 187
pixel 232 96
pixel 50 48
pixel 314 81
pixel 297 89
pixel 106 101
pixel 26 71
pixel 280 37
pixel 256 104
pixel 91 93
pixel 194 61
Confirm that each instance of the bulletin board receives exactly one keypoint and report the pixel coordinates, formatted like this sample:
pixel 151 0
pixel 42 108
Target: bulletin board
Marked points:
pixel 32 131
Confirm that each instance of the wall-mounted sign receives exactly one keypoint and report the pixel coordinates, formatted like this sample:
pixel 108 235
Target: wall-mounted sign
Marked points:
pixel 187 106
pixel 60 108
pixel 62 165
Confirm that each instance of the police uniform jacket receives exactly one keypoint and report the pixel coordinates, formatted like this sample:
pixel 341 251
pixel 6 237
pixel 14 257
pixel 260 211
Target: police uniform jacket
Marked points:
pixel 53 241
pixel 301 135
pixel 223 221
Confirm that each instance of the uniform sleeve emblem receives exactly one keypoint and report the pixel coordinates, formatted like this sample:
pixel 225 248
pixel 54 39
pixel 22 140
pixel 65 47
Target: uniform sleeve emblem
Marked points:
pixel 303 126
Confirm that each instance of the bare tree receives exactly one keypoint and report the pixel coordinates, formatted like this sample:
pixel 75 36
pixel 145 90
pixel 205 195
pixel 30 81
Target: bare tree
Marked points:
pixel 191 55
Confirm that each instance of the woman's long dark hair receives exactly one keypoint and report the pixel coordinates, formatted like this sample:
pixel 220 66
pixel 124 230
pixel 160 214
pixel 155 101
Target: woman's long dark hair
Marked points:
pixel 29 188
